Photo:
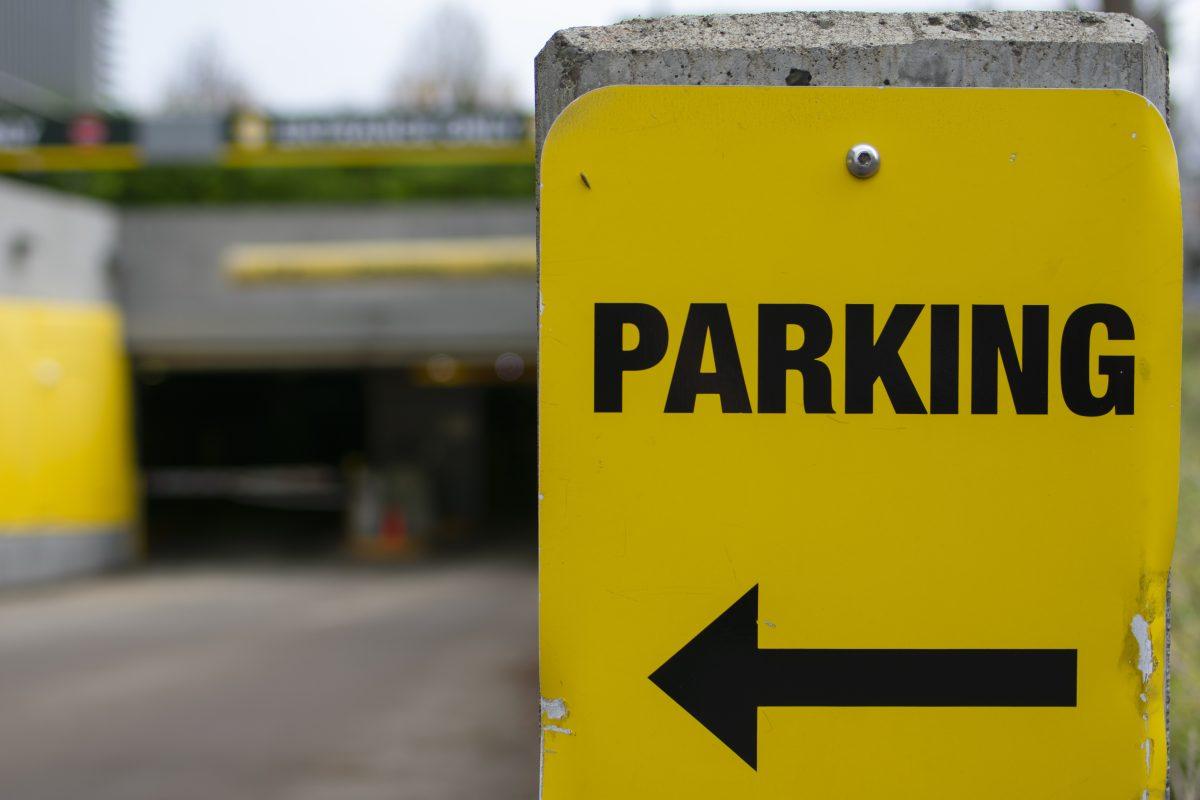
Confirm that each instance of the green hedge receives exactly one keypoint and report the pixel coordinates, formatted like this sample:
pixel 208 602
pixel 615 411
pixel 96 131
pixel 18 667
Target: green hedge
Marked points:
pixel 208 185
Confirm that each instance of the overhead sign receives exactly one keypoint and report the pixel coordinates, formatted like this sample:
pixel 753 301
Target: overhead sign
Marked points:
pixel 384 138
pixel 859 436
pixel 375 130
pixel 92 141
pixel 30 143
pixel 21 131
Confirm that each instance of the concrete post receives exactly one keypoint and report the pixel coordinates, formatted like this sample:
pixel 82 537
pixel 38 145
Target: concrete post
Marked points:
pixel 1034 49
pixel 1059 49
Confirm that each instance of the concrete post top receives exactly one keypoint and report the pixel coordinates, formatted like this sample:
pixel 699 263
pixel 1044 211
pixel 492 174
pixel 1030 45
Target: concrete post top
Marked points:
pixel 986 48
pixel 758 32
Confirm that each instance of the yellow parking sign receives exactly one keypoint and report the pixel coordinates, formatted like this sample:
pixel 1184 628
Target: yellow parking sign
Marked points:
pixel 859 437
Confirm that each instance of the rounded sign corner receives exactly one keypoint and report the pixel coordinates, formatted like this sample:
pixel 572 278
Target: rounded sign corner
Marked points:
pixel 570 118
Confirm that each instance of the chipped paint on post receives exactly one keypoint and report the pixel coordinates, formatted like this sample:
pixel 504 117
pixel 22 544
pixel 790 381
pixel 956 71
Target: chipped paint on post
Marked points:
pixel 1145 649
pixel 554 708
pixel 1147 632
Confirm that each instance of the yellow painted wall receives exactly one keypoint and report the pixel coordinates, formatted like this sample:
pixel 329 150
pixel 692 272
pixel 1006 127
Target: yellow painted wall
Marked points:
pixel 66 456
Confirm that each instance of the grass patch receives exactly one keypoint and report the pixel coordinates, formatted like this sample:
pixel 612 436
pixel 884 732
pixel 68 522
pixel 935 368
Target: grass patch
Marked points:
pixel 1185 581
pixel 209 185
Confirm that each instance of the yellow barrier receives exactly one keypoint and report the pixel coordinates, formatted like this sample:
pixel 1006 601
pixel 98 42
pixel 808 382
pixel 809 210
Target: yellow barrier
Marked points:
pixel 65 434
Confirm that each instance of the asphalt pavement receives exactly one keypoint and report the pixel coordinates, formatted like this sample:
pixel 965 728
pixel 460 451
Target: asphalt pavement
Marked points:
pixel 305 683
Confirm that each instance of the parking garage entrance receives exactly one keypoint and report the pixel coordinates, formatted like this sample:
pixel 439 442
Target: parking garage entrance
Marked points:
pixel 384 463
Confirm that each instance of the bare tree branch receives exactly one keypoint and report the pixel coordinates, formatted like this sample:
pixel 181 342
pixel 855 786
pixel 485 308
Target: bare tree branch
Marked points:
pixel 445 67
pixel 205 83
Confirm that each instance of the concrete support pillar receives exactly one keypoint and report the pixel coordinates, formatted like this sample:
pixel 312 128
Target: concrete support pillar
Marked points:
pixel 67 495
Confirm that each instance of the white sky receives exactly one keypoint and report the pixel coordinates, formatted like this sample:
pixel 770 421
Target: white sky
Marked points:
pixel 341 54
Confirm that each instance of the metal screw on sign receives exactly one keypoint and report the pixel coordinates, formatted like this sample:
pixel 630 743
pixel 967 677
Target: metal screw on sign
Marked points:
pixel 862 160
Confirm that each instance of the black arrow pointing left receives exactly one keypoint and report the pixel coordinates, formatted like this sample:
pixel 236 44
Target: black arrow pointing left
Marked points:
pixel 721 677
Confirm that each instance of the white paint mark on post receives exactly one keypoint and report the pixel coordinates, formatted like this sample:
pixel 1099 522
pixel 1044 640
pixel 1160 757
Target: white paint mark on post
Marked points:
pixel 554 708
pixel 1141 633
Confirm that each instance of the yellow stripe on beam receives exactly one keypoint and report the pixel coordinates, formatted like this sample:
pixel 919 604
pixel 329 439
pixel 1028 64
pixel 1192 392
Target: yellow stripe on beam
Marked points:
pixel 71 158
pixel 433 155
pixel 327 261
pixel 121 157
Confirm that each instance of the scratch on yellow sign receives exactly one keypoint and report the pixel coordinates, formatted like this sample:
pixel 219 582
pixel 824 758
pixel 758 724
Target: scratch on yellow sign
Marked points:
pixel 857 488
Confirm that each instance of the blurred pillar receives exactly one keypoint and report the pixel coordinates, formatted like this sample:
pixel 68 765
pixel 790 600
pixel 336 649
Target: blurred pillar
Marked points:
pixel 67 483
